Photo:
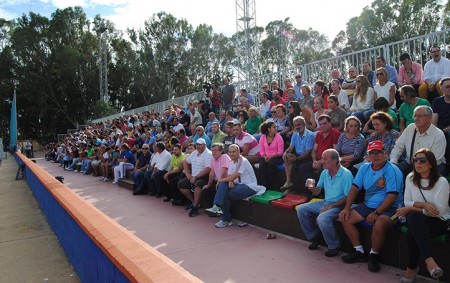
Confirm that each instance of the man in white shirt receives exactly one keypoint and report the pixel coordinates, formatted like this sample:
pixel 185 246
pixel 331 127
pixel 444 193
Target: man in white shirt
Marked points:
pixel 240 183
pixel 264 105
pixel 176 125
pixel 422 133
pixel 196 175
pixel 155 175
pixel 435 69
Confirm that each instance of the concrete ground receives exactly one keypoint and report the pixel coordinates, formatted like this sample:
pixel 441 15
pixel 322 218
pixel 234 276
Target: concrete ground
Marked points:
pixel 29 250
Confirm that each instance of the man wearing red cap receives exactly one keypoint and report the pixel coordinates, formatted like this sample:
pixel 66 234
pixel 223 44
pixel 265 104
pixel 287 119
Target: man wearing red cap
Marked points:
pixel 383 183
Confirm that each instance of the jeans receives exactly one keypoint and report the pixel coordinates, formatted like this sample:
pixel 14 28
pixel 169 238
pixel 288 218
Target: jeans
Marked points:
pixel 224 195
pixel 312 220
pixel 86 166
pixel 74 164
pixel 138 178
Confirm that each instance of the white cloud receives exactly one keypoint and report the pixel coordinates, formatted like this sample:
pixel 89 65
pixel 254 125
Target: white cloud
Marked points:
pixel 7 15
pixel 62 4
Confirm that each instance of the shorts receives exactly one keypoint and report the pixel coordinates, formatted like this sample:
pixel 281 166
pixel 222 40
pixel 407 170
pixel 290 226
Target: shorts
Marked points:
pixel 185 184
pixel 364 211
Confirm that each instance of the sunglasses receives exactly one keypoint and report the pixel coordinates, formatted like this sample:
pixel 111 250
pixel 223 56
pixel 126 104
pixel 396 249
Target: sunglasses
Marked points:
pixel 420 160
pixel 380 74
pixel 298 77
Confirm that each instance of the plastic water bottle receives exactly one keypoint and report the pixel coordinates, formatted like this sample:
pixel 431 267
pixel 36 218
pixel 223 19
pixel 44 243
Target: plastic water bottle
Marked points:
pixel 401 219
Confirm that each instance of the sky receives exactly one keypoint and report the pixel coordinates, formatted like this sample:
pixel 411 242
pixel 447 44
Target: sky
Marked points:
pixel 319 15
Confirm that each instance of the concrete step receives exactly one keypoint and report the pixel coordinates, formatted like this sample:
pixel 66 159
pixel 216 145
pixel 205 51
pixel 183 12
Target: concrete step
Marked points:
pixel 126 183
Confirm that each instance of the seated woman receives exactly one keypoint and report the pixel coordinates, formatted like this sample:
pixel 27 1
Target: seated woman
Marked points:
pixel 308 99
pixel 381 104
pixel 254 122
pixel 340 94
pixel 383 130
pixel 282 121
pixel 320 110
pixel 337 114
pixel 426 210
pixel 294 111
pixel 384 87
pixel 362 106
pixel 351 144
pixel 271 147
pixel 322 91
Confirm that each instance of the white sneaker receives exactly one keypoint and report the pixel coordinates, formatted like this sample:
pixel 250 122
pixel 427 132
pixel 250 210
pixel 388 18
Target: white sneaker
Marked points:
pixel 75 171
pixel 105 180
pixel 101 179
pixel 114 182
pixel 215 209
pixel 223 224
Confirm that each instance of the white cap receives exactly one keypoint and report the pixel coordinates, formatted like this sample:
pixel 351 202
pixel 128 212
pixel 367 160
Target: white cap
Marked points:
pixel 200 141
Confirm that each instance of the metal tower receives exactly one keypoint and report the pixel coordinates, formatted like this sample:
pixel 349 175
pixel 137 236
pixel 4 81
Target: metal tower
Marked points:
pixel 103 63
pixel 249 52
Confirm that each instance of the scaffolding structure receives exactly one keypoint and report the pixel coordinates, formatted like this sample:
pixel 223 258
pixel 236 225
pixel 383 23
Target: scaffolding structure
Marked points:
pixel 248 40
pixel 103 63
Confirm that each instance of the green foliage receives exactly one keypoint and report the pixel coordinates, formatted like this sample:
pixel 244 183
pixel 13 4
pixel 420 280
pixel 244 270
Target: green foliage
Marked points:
pixel 387 21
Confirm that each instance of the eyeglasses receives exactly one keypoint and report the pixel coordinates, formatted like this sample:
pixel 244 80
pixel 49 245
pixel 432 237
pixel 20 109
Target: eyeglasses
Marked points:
pixel 198 130
pixel 380 74
pixel 298 77
pixel 375 152
pixel 145 148
pixel 274 111
pixel 420 160
pixel 266 87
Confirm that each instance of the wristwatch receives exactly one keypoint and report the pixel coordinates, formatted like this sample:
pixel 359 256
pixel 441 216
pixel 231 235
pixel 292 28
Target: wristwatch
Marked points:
pixel 376 213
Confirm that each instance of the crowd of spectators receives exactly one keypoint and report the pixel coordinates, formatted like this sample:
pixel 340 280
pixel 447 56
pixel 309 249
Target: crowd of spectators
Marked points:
pixel 373 130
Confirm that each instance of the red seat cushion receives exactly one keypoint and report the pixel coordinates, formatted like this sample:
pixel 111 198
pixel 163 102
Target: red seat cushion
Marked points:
pixel 290 201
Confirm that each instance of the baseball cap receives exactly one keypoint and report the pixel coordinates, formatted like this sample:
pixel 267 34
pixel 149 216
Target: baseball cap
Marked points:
pixel 375 145
pixel 200 141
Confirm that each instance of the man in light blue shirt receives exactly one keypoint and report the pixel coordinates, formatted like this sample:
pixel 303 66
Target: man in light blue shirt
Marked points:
pixel 298 86
pixel 318 218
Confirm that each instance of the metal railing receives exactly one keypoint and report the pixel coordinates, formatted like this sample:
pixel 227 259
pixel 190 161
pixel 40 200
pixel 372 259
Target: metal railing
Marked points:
pixel 417 47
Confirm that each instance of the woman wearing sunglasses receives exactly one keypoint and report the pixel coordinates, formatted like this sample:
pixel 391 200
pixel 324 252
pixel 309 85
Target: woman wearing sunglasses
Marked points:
pixel 426 210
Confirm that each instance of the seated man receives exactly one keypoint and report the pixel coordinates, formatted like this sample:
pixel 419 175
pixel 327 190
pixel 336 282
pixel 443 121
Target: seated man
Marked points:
pixel 172 175
pixel 196 176
pixel 299 150
pixel 326 138
pixel 247 143
pixel 229 138
pixel 155 177
pixel 336 181
pixel 218 135
pixel 200 133
pixel 435 69
pixel 422 133
pixel 383 183
pixel 208 128
pixel 219 170
pixel 139 169
pixel 410 101
pixel 410 73
pixel 240 183
pixel 441 113
pixel 126 161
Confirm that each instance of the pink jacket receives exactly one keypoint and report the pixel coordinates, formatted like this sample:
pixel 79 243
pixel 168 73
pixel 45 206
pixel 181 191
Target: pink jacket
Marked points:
pixel 277 146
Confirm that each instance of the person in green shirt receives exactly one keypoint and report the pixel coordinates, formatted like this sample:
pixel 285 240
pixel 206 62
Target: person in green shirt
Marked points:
pixel 218 135
pixel 173 174
pixel 253 122
pixel 410 101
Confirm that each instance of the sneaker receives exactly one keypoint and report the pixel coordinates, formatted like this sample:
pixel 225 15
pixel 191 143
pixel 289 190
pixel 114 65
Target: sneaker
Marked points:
pixel 194 212
pixel 82 171
pixel 223 224
pixel 354 257
pixel 215 209
pixel 190 206
pixel 114 182
pixel 105 180
pixel 332 252
pixel 69 169
pixel 75 171
pixel 373 265
pixel 101 179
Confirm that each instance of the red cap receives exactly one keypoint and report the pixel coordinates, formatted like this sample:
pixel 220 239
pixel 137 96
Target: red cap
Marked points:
pixel 375 145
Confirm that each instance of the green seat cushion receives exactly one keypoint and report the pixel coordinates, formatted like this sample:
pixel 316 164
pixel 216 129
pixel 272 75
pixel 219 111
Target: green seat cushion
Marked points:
pixel 267 197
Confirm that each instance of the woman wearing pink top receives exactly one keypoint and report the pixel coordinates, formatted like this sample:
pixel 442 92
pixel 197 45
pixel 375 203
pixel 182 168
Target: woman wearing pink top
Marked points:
pixel 271 147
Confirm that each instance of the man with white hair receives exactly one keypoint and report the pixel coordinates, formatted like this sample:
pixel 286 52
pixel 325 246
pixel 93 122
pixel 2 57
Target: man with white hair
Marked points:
pixel 422 133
